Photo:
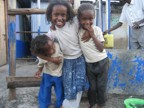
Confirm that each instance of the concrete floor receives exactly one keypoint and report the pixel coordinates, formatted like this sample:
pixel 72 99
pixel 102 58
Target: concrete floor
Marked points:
pixel 27 97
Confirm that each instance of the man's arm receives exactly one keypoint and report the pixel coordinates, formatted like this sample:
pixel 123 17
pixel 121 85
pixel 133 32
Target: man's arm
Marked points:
pixel 137 24
pixel 113 28
pixel 141 21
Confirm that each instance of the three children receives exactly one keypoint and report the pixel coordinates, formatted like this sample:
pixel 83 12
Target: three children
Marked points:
pixel 71 38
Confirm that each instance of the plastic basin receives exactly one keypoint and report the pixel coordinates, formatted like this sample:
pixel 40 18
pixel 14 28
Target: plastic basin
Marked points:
pixel 134 103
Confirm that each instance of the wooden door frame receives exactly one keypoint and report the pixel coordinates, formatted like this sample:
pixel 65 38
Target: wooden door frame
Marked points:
pixel 4 33
pixel 6 27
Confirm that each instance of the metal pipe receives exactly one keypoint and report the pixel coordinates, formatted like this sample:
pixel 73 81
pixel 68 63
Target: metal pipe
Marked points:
pixel 101 13
pixel 39 17
pixel 109 15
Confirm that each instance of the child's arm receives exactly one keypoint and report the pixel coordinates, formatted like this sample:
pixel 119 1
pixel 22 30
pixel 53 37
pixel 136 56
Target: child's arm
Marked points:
pixel 38 73
pixel 86 36
pixel 56 60
pixel 98 44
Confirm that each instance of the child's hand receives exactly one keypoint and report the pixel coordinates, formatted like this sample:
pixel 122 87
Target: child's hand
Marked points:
pixel 86 37
pixel 90 30
pixel 57 60
pixel 88 33
pixel 37 74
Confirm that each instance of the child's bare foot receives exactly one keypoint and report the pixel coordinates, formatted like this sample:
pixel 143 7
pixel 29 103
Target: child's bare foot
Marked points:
pixel 98 106
pixel 61 107
pixel 94 106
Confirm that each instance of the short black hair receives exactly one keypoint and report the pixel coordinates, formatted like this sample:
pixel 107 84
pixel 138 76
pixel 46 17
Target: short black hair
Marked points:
pixel 38 43
pixel 70 12
pixel 83 7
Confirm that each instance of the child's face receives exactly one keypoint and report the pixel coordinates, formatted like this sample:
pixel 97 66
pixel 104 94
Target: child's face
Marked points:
pixel 59 15
pixel 86 18
pixel 126 1
pixel 49 48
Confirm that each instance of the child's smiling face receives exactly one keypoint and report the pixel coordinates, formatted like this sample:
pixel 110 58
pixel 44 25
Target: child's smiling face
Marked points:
pixel 59 15
pixel 86 18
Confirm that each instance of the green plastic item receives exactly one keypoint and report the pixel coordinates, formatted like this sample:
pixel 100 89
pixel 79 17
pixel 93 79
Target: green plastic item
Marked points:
pixel 134 103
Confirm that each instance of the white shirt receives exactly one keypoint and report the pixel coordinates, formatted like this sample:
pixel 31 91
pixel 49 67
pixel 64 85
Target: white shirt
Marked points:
pixel 91 53
pixel 67 38
pixel 52 68
pixel 132 12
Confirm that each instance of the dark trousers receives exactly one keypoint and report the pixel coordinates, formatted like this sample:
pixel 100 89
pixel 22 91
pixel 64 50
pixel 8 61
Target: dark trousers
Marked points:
pixel 97 74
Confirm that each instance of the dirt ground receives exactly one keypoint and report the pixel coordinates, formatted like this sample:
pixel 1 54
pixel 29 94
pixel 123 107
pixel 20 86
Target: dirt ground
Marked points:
pixel 27 97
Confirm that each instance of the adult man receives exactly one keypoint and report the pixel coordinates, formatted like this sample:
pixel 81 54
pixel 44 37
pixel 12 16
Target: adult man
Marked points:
pixel 133 15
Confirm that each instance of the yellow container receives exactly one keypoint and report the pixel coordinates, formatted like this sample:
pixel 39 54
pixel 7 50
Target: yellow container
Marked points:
pixel 109 41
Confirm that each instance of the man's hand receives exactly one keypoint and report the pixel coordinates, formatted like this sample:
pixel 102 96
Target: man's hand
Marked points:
pixel 136 25
pixel 105 32
pixel 57 60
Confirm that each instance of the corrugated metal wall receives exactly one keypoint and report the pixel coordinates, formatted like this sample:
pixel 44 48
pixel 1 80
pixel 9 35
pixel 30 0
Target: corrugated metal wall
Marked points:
pixel 44 25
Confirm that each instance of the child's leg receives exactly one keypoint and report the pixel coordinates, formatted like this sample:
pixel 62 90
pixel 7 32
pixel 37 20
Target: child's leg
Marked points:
pixel 102 79
pixel 59 91
pixel 74 77
pixel 44 97
pixel 74 103
pixel 92 92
